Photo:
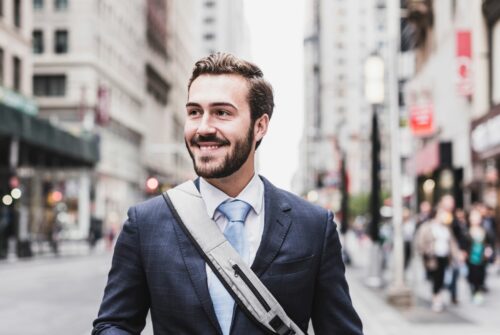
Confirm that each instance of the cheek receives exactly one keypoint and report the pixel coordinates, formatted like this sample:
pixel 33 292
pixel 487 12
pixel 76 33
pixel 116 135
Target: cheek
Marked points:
pixel 189 130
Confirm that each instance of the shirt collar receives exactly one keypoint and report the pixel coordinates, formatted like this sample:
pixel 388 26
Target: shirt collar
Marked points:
pixel 253 194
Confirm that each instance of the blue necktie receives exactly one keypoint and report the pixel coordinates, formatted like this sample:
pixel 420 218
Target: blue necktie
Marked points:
pixel 236 212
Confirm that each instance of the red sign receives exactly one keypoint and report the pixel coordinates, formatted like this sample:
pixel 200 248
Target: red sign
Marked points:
pixel 464 62
pixel 102 116
pixel 422 120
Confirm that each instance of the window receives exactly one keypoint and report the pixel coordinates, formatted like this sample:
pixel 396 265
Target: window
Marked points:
pixel 49 85
pixel 37 4
pixel 17 74
pixel 209 19
pixel 61 4
pixel 17 13
pixel 209 4
pixel 1 66
pixel 61 42
pixel 209 36
pixel 37 42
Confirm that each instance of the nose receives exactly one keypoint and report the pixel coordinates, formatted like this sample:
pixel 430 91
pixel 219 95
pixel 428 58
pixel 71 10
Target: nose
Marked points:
pixel 205 127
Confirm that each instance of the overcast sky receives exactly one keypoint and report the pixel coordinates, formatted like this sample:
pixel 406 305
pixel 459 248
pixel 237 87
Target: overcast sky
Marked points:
pixel 276 32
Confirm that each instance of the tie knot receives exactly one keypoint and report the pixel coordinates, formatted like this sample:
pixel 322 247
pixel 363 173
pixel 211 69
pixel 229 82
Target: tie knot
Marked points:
pixel 235 210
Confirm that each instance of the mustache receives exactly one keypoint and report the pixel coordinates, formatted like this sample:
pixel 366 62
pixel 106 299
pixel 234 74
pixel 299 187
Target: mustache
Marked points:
pixel 196 140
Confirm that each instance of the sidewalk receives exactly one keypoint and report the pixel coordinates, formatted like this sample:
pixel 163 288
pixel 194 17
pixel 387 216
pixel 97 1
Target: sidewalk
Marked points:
pixel 380 318
pixel 67 249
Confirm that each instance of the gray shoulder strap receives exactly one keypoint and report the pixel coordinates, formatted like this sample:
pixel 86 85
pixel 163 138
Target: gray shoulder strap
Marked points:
pixel 241 282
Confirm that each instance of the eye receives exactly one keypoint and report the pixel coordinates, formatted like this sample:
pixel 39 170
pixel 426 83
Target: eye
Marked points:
pixel 222 112
pixel 193 112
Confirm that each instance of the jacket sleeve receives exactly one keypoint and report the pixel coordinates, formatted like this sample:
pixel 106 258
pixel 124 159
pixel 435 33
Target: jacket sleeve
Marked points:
pixel 126 297
pixel 333 312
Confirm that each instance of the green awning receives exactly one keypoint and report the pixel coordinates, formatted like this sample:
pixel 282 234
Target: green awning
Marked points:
pixel 40 133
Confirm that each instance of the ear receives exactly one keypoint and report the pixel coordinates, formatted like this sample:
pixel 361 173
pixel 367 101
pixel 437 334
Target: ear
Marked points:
pixel 260 127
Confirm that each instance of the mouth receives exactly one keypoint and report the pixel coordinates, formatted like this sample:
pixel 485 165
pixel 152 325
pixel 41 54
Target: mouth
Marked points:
pixel 208 147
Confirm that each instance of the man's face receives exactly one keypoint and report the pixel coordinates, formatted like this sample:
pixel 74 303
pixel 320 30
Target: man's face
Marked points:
pixel 448 203
pixel 218 132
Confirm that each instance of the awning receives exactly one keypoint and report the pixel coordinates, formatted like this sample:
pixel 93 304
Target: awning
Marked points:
pixel 40 133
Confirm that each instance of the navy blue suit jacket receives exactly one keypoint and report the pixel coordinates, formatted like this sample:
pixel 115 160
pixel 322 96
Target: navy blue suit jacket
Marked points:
pixel 155 267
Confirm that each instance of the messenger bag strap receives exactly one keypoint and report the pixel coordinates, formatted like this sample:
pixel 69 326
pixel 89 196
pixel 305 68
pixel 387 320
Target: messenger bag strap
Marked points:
pixel 188 208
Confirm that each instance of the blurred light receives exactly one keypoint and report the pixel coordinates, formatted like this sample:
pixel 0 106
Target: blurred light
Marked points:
pixel 152 184
pixel 312 196
pixel 14 181
pixel 446 179
pixel 55 196
pixel 374 79
pixel 429 185
pixel 16 193
pixel 7 200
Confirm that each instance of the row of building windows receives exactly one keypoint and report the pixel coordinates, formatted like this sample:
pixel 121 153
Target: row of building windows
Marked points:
pixel 58 4
pixel 60 42
pixel 16 12
pixel 16 74
pixel 43 85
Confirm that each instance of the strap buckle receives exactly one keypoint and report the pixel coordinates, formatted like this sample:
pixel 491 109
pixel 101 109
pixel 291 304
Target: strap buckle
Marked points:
pixel 280 327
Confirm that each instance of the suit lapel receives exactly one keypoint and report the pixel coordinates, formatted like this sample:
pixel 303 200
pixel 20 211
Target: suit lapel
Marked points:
pixel 197 272
pixel 277 222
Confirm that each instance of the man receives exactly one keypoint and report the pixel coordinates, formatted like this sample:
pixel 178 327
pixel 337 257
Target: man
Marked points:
pixel 292 246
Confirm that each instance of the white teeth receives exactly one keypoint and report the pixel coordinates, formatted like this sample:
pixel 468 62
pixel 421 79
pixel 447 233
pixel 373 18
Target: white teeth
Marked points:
pixel 209 147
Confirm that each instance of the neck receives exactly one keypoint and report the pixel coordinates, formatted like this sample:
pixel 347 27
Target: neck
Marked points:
pixel 233 185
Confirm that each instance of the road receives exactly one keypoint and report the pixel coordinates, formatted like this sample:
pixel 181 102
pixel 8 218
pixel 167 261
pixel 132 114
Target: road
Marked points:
pixel 61 296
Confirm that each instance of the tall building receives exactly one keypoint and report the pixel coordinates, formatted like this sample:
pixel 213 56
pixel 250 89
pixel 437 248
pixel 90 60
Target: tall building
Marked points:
pixel 456 88
pixel 223 27
pixel 34 152
pixel 184 28
pixel 90 77
pixel 337 122
pixel 163 138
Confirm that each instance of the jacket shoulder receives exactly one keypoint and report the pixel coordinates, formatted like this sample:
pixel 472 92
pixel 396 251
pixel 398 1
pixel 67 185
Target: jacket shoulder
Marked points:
pixel 299 206
pixel 150 209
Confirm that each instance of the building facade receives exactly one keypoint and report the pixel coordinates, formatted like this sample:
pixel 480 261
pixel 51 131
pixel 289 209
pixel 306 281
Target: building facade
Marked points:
pixel 34 152
pixel 223 27
pixel 89 77
pixel 337 118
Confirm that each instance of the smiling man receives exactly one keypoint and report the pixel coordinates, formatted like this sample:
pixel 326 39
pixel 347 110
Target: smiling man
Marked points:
pixel 291 245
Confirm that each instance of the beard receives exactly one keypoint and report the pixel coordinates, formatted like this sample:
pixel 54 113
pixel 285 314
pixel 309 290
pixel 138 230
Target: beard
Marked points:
pixel 231 162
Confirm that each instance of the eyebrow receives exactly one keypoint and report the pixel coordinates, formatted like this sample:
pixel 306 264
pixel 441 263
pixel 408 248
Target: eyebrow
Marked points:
pixel 213 104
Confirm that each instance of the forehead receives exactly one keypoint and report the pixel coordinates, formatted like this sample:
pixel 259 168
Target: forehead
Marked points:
pixel 219 87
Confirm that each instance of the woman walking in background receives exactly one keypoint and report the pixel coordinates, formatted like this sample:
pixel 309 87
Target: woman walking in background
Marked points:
pixel 479 250
pixel 436 244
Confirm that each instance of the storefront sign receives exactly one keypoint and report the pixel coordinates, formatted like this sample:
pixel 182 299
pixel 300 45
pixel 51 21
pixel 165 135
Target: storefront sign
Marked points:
pixel 464 62
pixel 422 120
pixel 485 136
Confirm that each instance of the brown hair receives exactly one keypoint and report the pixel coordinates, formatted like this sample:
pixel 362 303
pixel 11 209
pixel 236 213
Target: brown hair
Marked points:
pixel 260 93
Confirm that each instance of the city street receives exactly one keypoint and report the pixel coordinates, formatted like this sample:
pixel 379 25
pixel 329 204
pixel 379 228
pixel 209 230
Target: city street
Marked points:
pixel 49 295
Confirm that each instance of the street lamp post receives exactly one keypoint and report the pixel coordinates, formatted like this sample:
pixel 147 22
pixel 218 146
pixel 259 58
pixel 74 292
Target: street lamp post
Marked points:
pixel 374 92
pixel 398 293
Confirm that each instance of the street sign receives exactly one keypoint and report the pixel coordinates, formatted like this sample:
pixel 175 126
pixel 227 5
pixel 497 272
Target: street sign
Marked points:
pixel 422 120
pixel 464 63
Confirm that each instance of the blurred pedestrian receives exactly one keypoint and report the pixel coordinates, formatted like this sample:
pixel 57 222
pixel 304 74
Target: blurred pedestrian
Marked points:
pixel 479 251
pixel 447 204
pixel 435 242
pixel 408 235
pixel 424 213
pixel 5 230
